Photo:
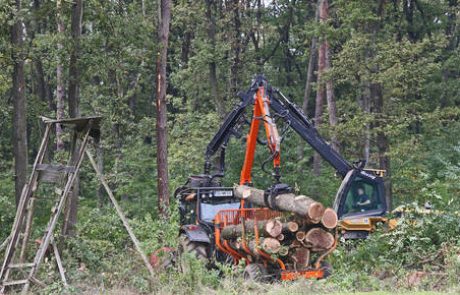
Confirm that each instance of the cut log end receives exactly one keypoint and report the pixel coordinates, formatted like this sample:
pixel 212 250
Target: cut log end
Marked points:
pixel 284 251
pixel 271 245
pixel 293 226
pixel 329 219
pixel 319 239
pixel 246 193
pixel 274 227
pixel 300 236
pixel 315 212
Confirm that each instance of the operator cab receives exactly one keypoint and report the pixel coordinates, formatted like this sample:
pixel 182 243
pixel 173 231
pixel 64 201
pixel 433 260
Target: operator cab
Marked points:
pixel 361 194
pixel 202 197
pixel 213 200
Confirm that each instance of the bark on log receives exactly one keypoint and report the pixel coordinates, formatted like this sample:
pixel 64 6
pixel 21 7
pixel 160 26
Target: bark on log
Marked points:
pixel 253 248
pixel 301 256
pixel 300 205
pixel 318 239
pixel 329 219
pixel 267 228
pixel 234 231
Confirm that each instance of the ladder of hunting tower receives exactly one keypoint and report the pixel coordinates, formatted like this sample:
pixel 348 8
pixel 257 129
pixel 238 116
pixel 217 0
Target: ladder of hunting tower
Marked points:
pixel 63 176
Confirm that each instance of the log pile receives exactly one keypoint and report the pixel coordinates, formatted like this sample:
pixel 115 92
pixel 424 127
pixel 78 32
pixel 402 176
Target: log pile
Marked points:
pixel 307 228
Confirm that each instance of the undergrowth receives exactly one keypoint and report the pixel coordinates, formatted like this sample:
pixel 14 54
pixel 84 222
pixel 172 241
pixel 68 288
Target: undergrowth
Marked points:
pixel 421 254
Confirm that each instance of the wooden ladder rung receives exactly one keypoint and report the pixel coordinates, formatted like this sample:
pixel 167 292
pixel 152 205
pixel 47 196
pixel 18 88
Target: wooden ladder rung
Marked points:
pixel 52 173
pixel 54 167
pixel 21 265
pixel 19 282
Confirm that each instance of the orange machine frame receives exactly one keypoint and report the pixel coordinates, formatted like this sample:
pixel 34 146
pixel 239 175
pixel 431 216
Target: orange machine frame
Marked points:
pixel 261 112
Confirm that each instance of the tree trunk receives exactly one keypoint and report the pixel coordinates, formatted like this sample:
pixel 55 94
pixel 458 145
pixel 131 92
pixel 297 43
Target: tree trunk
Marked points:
pixel 319 103
pixel 382 141
pixel 19 107
pixel 408 8
pixel 285 36
pixel 161 120
pixel 100 167
pixel 44 90
pixel 331 106
pixel 60 106
pixel 210 5
pixel 311 65
pixel 366 106
pixel 312 61
pixel 236 47
pixel 300 205
pixel 74 109
pixel 376 95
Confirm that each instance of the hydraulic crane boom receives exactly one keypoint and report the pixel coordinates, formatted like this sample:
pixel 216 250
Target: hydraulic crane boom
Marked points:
pixel 358 183
pixel 293 116
pixel 290 113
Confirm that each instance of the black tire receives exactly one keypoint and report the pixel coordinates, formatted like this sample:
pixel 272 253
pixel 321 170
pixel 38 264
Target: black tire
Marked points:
pixel 327 269
pixel 196 249
pixel 255 272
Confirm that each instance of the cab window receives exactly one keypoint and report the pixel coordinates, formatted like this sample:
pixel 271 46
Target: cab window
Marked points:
pixel 209 210
pixel 362 196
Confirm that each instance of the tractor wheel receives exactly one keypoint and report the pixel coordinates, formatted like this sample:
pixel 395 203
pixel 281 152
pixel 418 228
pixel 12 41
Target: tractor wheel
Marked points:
pixel 196 249
pixel 327 269
pixel 255 272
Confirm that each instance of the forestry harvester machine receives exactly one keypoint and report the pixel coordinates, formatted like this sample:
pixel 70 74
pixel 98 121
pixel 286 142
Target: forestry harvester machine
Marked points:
pixel 286 236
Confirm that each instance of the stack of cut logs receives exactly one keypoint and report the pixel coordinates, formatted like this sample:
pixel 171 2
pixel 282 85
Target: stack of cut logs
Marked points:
pixel 308 229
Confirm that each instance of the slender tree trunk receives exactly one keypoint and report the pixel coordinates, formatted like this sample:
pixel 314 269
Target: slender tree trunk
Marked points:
pixel 161 121
pixel 236 46
pixel 376 92
pixel 312 61
pixel 255 35
pixel 311 64
pixel 408 8
pixel 43 87
pixel 366 106
pixel 74 70
pixel 19 107
pixel 383 145
pixel 100 167
pixel 331 106
pixel 60 106
pixel 74 108
pixel 210 5
pixel 330 98
pixel 143 8
pixel 320 93
pixel 44 90
pixel 285 36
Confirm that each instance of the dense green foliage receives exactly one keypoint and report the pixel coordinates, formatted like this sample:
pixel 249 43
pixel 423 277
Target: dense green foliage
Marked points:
pixel 410 49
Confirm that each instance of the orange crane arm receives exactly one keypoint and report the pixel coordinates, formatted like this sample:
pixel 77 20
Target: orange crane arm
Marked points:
pixel 261 112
